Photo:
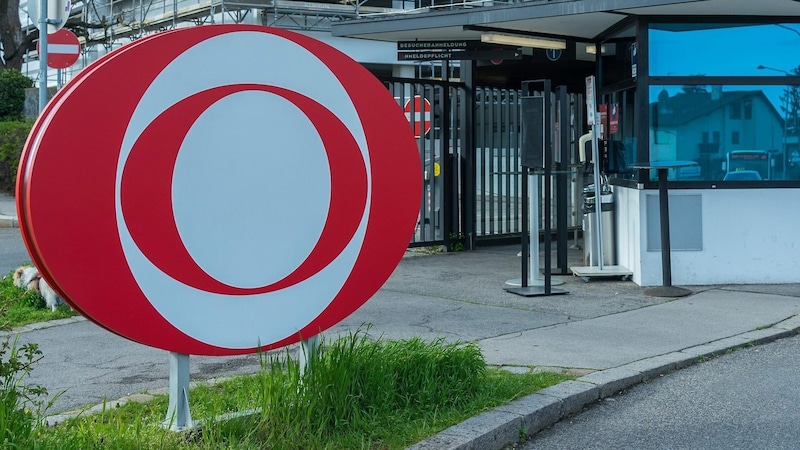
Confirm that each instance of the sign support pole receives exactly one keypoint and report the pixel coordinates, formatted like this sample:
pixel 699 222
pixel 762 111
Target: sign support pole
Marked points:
pixel 42 55
pixel 533 276
pixel 308 348
pixel 536 118
pixel 178 416
pixel 598 192
pixel 594 120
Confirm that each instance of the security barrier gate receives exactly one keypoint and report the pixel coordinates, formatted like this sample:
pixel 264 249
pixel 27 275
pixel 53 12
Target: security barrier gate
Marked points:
pixel 436 110
pixel 470 161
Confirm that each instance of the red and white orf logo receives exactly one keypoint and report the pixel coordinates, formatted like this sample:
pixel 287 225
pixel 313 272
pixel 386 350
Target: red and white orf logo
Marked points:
pixel 244 188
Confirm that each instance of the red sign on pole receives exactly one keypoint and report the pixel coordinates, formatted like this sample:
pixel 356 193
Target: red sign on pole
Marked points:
pixel 200 287
pixel 63 49
pixel 422 115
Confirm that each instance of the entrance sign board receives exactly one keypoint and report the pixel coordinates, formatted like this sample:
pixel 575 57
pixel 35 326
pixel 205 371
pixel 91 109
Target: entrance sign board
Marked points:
pixel 459 55
pixel 182 234
pixel 436 45
pixel 457 50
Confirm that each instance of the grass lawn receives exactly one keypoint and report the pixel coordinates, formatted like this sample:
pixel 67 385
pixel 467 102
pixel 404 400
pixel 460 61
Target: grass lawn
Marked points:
pixel 358 393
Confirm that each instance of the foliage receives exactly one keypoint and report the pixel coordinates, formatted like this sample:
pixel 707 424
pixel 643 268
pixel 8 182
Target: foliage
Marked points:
pixel 357 394
pixel 12 94
pixel 12 140
pixel 790 106
pixel 457 242
pixel 20 403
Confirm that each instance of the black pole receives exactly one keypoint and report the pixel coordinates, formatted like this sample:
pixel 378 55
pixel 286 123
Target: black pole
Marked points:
pixel 562 180
pixel 467 132
pixel 663 200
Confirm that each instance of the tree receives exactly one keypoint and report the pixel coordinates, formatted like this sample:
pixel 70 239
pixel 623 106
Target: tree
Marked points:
pixel 14 44
pixel 790 105
pixel 12 94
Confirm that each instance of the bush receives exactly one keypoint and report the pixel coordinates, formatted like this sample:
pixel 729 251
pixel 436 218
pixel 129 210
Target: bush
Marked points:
pixel 12 140
pixel 12 94
pixel 21 404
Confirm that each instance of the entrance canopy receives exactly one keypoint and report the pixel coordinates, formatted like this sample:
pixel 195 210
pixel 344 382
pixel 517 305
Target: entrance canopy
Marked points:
pixel 575 19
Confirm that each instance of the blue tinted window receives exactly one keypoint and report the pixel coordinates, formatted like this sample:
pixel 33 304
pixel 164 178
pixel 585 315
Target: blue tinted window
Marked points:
pixel 687 122
pixel 724 49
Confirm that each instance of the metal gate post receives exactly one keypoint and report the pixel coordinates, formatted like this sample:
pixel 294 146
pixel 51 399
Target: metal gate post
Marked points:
pixel 450 204
pixel 466 132
pixel 562 181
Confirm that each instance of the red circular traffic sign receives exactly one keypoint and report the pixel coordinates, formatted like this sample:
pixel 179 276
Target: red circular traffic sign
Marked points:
pixel 221 211
pixel 421 120
pixel 63 49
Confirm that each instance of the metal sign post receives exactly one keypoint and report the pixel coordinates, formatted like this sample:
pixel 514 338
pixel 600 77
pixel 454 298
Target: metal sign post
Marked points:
pixel 178 415
pixel 593 119
pixel 42 55
pixel 536 153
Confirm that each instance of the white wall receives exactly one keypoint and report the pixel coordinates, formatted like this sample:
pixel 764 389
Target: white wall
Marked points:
pixel 750 236
pixel 362 50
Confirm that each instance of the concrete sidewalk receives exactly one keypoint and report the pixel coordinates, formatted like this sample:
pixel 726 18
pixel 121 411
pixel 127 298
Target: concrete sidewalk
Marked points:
pixel 606 331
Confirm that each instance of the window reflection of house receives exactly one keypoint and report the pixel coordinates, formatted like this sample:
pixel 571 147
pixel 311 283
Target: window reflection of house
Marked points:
pixel 702 126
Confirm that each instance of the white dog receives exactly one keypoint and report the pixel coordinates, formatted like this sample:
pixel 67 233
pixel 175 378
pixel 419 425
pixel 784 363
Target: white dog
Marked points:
pixel 28 277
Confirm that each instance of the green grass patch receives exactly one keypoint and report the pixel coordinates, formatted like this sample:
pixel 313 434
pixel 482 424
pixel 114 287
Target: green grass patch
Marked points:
pixel 24 306
pixel 359 394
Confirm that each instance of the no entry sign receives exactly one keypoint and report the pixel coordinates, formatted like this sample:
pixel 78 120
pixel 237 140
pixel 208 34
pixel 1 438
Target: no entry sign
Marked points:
pixel 63 49
pixel 143 256
pixel 419 115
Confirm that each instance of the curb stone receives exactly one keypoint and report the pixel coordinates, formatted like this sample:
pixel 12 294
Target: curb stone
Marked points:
pixel 535 412
pixel 42 325
pixel 8 222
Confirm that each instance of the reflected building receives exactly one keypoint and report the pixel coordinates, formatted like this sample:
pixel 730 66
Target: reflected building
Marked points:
pixel 705 126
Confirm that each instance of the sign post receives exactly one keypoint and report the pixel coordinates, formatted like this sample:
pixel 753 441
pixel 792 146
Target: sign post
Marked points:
pixel 43 56
pixel 595 119
pixel 595 123
pixel 48 17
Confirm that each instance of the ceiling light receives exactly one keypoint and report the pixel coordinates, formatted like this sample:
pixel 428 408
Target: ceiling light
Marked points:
pixel 523 41
pixel 592 49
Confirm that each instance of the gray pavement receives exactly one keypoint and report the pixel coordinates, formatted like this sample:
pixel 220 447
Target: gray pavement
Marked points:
pixel 8 211
pixel 607 331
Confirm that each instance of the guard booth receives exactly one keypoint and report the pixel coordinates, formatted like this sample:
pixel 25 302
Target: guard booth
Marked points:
pixel 687 85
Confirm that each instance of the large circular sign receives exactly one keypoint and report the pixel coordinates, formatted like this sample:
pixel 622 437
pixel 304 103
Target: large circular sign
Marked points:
pixel 228 200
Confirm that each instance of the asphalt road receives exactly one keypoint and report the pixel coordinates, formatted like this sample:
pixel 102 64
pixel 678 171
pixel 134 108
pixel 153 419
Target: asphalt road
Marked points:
pixel 744 400
pixel 12 250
